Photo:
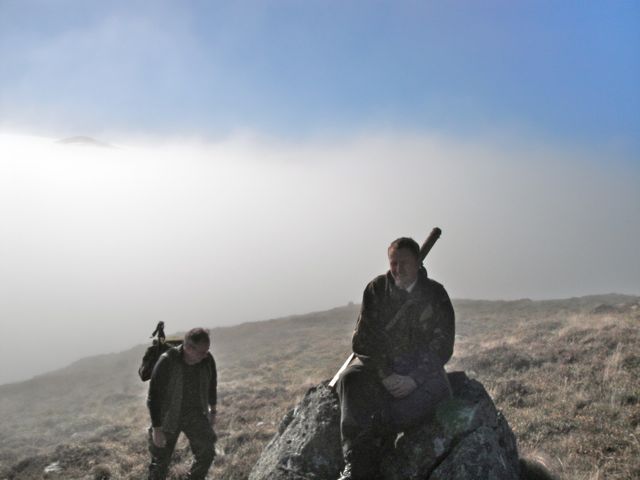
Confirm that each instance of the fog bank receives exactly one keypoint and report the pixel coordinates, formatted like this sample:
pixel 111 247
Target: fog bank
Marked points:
pixel 98 244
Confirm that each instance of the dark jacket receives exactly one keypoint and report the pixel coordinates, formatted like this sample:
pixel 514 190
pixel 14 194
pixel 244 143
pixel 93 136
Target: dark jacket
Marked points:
pixel 166 388
pixel 402 332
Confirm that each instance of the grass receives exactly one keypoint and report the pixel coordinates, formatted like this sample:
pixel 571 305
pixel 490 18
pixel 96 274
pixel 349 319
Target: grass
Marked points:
pixel 571 391
pixel 564 372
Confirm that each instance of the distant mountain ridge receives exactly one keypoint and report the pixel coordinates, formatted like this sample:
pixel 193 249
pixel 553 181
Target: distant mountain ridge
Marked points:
pixel 84 141
pixel 226 338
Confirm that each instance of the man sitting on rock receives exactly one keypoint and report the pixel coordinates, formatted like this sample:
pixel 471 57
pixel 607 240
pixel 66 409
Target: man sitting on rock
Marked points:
pixel 182 398
pixel 403 337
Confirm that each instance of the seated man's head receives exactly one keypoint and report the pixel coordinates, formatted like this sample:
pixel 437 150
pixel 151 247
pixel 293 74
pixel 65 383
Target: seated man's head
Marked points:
pixel 404 261
pixel 196 345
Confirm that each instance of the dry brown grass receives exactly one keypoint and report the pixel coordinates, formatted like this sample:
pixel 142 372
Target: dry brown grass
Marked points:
pixel 565 377
pixel 571 391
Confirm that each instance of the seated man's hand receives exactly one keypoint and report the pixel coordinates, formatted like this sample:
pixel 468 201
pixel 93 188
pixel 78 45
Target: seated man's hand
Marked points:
pixel 399 385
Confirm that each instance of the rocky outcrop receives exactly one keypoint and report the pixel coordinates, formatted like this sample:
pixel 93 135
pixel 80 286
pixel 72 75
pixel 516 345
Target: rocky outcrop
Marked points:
pixel 467 439
pixel 307 444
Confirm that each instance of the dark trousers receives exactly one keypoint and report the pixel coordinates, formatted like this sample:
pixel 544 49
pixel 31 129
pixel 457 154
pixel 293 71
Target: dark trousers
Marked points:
pixel 370 416
pixel 197 428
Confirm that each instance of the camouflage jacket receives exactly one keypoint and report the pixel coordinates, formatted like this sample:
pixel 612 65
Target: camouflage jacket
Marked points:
pixel 402 332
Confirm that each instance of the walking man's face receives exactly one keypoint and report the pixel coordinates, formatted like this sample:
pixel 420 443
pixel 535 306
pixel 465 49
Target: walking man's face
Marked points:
pixel 195 352
pixel 404 266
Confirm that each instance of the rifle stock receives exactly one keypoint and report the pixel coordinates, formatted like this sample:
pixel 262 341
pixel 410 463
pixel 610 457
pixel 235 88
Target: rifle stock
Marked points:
pixel 424 251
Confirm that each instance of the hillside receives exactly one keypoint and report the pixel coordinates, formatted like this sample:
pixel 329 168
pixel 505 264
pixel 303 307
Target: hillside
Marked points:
pixel 563 371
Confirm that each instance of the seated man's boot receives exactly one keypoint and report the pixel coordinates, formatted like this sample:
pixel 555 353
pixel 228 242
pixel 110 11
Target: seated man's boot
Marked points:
pixel 360 464
pixel 347 473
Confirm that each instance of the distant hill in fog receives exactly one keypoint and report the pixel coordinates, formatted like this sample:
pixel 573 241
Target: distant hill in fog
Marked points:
pixel 277 337
pixel 543 361
pixel 84 141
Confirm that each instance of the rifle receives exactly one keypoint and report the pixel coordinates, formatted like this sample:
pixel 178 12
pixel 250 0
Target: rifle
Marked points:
pixel 424 250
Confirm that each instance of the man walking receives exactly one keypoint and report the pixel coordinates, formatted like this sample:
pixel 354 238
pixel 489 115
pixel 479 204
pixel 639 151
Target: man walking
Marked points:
pixel 182 398
pixel 403 337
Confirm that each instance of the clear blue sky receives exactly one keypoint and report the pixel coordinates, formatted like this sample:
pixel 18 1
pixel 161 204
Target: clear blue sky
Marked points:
pixel 567 70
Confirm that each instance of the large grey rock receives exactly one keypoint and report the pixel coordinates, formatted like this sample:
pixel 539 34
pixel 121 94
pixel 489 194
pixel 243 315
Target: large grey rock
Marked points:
pixel 307 445
pixel 466 439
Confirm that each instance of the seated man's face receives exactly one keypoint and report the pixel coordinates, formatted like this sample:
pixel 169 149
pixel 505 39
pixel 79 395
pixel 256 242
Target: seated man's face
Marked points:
pixel 404 266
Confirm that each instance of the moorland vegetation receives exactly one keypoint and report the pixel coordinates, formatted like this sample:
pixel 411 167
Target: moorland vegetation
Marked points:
pixel 564 372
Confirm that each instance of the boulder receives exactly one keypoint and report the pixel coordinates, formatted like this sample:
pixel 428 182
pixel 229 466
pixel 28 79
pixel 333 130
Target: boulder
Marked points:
pixel 307 444
pixel 466 439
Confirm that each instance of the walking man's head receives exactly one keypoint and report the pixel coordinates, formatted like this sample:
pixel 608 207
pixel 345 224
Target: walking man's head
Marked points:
pixel 196 345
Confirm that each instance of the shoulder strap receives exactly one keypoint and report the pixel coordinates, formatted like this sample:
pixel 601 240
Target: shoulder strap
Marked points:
pixel 400 313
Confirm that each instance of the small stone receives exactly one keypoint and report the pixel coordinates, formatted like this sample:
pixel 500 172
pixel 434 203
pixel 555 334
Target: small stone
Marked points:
pixel 53 468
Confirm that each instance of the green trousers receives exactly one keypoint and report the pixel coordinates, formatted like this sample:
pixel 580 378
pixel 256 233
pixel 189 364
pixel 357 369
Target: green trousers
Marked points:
pixel 197 428
pixel 370 417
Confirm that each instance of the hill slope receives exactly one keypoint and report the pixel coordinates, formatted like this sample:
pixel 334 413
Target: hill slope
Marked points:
pixel 564 371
